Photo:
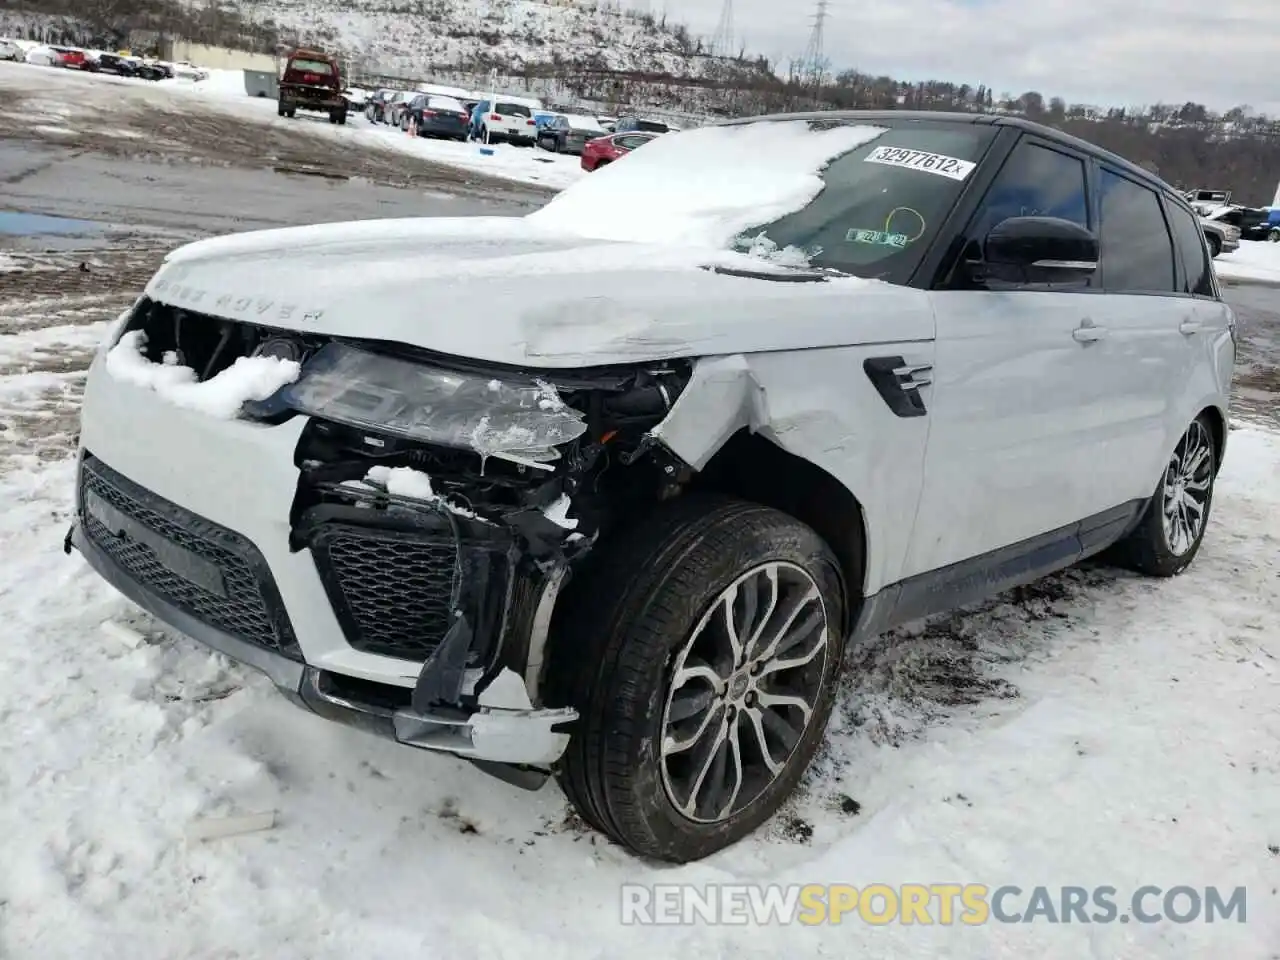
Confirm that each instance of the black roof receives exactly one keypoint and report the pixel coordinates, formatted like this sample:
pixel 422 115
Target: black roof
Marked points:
pixel 989 119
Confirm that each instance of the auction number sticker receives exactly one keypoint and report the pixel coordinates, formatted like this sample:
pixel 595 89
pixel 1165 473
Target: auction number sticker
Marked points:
pixel 919 160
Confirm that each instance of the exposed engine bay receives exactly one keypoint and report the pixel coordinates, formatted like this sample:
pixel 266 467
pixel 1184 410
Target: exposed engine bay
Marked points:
pixel 439 497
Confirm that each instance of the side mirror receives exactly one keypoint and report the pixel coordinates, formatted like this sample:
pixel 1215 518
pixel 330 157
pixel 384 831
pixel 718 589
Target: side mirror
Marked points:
pixel 1038 250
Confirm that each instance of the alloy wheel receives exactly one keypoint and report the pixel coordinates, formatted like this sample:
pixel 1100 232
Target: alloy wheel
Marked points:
pixel 743 689
pixel 1185 492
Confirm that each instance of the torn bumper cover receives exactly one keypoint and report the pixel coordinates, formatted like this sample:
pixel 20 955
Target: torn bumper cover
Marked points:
pixel 526 737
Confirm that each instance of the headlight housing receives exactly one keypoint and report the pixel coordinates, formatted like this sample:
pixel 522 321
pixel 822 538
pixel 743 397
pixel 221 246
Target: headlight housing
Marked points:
pixel 507 419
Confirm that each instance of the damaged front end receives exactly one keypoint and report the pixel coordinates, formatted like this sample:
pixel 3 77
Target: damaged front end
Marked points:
pixel 445 503
pixel 445 508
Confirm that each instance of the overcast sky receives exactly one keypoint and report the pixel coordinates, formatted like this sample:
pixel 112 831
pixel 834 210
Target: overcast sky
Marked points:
pixel 1103 52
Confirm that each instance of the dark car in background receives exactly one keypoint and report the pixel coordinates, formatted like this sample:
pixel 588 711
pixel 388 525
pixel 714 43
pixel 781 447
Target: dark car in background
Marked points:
pixel 119 65
pixel 604 150
pixel 429 115
pixel 568 133
pixel 640 125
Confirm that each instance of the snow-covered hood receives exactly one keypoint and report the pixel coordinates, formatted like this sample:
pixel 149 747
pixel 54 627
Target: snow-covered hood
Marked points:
pixel 500 289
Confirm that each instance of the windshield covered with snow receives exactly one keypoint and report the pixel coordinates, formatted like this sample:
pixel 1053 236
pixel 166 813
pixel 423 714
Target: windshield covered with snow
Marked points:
pixel 857 198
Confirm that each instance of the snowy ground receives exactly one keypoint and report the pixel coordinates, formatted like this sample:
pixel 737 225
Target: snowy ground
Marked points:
pixel 1255 260
pixel 140 117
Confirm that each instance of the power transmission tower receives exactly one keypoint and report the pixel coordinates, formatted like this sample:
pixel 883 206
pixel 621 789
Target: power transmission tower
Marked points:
pixel 722 42
pixel 813 64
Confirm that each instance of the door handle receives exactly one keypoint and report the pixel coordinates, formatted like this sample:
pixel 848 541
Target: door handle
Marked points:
pixel 1088 332
pixel 1188 327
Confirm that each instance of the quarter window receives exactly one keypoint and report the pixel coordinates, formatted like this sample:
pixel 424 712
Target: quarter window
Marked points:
pixel 1195 256
pixel 1137 251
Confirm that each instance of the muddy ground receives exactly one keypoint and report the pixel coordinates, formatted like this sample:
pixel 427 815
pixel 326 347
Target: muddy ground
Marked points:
pixel 140 124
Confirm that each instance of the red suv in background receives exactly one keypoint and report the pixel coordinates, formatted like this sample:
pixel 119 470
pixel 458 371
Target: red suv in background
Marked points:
pixel 602 150
pixel 311 81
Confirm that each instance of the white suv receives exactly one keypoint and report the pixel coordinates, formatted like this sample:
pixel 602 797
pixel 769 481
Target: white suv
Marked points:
pixel 622 528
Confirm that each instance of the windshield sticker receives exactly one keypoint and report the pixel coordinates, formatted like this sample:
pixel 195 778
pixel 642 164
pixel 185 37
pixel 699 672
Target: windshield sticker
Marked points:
pixel 888 237
pixel 935 163
pixel 878 238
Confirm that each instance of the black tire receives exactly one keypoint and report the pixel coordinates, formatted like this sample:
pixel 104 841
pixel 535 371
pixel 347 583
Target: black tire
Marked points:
pixel 1215 245
pixel 620 634
pixel 1149 548
pixel 291 112
pixel 280 110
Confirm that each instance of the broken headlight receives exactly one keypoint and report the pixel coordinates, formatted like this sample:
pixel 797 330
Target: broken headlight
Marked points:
pixel 511 420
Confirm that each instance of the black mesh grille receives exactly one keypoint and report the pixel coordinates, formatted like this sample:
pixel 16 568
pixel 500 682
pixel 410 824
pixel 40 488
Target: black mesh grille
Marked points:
pixel 245 604
pixel 391 589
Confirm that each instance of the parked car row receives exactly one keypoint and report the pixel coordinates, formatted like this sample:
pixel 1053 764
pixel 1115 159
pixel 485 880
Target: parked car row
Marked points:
pixel 98 61
pixel 455 114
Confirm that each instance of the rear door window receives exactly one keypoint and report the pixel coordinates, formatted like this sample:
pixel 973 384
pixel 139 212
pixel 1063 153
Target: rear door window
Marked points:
pixel 1137 250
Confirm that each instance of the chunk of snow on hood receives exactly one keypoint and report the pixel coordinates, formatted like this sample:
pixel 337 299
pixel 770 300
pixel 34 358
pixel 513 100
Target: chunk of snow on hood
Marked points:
pixel 704 187
pixel 558 513
pixel 414 484
pixel 402 482
pixel 222 396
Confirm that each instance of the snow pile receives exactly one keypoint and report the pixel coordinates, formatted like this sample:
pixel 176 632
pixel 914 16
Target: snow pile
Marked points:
pixel 415 485
pixel 218 83
pixel 703 187
pixel 1255 260
pixel 579 122
pixel 222 396
pixel 1140 750
pixel 402 482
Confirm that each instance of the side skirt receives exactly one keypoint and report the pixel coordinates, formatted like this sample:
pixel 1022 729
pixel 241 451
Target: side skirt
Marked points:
pixel 978 578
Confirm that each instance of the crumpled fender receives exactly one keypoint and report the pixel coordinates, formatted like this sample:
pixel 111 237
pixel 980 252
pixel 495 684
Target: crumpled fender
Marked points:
pixel 819 405
pixel 722 396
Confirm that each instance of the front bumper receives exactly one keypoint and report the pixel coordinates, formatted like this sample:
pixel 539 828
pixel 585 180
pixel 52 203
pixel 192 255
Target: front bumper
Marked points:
pixel 519 737
pixel 198 535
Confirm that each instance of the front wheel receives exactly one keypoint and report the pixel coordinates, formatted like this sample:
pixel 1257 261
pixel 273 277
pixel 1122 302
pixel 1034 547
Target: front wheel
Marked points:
pixel 1215 246
pixel 701 650
pixel 1170 533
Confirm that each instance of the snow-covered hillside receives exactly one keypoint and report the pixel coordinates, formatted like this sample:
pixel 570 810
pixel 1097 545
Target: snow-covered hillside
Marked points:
pixel 415 35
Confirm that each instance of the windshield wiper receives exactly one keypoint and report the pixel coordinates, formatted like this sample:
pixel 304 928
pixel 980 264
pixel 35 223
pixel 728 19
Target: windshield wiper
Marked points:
pixel 791 274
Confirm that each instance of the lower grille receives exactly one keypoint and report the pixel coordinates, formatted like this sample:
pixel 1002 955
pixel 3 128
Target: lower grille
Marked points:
pixel 203 569
pixel 392 589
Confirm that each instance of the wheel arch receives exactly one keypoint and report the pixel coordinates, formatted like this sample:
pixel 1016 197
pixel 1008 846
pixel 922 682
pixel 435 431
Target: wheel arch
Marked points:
pixel 1217 421
pixel 752 467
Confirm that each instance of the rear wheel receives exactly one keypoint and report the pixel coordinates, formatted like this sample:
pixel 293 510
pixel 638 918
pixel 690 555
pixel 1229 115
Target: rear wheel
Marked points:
pixel 1172 529
pixel 701 650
